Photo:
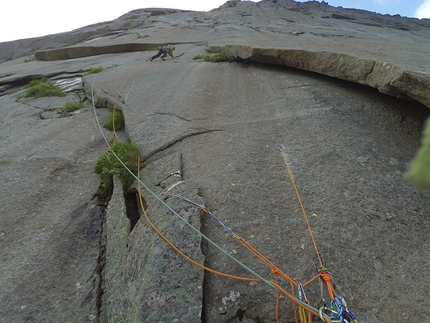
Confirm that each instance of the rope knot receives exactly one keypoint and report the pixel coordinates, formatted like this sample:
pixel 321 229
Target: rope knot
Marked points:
pixel 325 276
pixel 328 281
pixel 275 271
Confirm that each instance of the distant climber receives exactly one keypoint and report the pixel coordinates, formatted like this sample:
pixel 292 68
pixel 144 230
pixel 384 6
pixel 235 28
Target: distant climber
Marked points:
pixel 164 50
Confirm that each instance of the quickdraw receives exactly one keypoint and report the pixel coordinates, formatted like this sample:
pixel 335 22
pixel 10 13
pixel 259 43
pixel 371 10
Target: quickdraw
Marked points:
pixel 338 311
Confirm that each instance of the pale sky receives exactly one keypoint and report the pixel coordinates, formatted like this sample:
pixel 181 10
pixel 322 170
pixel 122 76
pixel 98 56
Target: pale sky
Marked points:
pixel 21 19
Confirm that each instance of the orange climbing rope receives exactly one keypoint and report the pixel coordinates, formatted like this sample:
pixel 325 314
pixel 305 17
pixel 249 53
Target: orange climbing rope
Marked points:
pixel 275 271
pixel 282 149
pixel 322 273
pixel 305 311
pixel 304 306
pixel 177 249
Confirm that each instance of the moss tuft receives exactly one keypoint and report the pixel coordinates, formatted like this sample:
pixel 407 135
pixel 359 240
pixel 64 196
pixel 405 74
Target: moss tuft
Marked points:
pixel 116 121
pixel 108 165
pixel 221 58
pixel 42 88
pixel 198 56
pixel 91 70
pixel 69 107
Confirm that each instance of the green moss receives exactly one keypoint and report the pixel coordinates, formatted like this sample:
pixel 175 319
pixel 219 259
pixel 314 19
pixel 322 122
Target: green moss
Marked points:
pixel 104 192
pixel 42 88
pixel 91 70
pixel 419 169
pixel 69 107
pixel 116 119
pixel 198 56
pixel 221 58
pixel 107 164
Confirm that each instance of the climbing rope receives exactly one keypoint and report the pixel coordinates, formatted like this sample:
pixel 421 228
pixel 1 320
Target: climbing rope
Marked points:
pixel 337 312
pixel 304 314
pixel 161 201
pixel 258 278
pixel 275 270
pixel 338 308
pixel 282 149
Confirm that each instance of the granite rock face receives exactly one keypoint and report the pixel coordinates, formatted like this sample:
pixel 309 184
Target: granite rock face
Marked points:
pixel 346 92
pixel 347 44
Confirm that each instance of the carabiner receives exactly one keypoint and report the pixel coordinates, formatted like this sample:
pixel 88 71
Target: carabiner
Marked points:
pixel 301 292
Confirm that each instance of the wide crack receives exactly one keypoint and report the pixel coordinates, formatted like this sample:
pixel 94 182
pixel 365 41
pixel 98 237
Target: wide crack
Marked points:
pixel 132 208
pixel 204 247
pixel 101 262
pixel 104 195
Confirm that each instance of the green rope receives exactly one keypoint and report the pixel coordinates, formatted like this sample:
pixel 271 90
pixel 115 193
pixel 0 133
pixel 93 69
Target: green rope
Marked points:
pixel 303 304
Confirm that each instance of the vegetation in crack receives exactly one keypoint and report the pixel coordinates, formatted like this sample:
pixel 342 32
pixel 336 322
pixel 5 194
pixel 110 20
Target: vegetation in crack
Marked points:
pixel 215 58
pixel 116 121
pixel 69 107
pixel 42 88
pixel 104 191
pixel 108 165
pixel 94 70
pixel 91 70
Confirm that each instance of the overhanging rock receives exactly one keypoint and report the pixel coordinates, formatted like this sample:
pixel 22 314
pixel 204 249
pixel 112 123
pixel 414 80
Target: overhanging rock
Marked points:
pixel 88 50
pixel 388 78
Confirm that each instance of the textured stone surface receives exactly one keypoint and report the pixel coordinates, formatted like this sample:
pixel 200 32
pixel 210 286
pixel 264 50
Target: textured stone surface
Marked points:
pixel 220 125
pixel 349 44
pixel 49 225
pixel 388 78
pixel 348 147
pixel 145 279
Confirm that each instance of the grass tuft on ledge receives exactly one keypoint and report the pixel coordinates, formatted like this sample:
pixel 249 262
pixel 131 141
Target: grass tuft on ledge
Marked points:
pixel 42 88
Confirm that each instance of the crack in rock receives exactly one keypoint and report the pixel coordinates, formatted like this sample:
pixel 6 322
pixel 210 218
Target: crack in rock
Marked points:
pixel 176 140
pixel 175 115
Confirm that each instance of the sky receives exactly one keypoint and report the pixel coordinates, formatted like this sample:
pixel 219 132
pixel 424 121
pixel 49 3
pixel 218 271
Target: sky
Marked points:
pixel 34 18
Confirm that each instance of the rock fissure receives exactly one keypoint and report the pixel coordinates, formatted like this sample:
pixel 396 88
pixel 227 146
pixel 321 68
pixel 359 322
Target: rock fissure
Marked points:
pixel 132 205
pixel 240 314
pixel 177 140
pixel 101 262
pixel 177 116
